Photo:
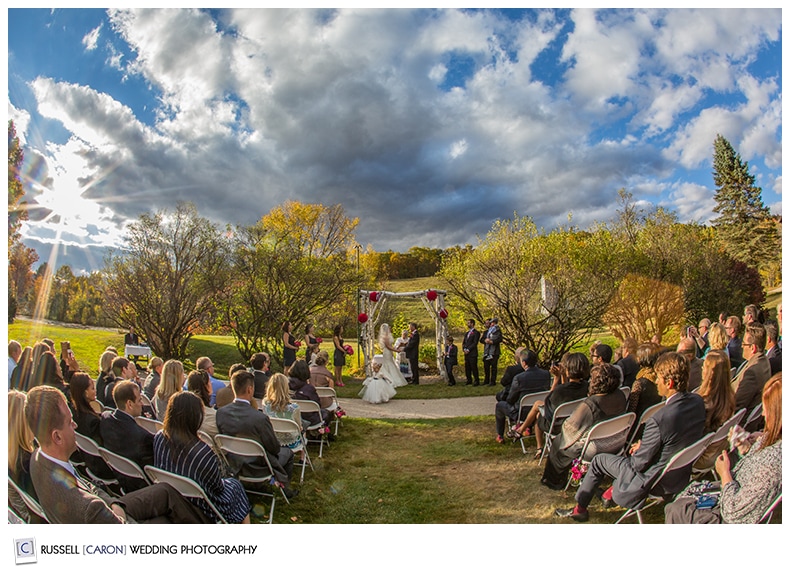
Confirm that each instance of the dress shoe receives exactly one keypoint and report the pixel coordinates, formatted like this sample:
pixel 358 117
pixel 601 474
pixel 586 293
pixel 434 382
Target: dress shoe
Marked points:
pixel 499 439
pixel 571 513
pixel 606 502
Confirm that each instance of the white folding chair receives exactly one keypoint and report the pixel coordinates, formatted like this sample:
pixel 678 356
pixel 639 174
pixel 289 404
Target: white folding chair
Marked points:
pixel 614 432
pixel 306 407
pixel 14 518
pixel 561 413
pixel 719 435
pixel 184 485
pixel 288 426
pixel 246 447
pixel 524 406
pixel 90 447
pixel 755 414
pixel 683 458
pixel 122 465
pixel 31 503
pixel 151 425
pixel 329 392
pixel 646 414
pixel 626 391
pixel 147 402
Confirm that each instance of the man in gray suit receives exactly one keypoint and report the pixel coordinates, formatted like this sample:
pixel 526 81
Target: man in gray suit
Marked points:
pixel 241 420
pixel 68 499
pixel 751 376
pixel 678 424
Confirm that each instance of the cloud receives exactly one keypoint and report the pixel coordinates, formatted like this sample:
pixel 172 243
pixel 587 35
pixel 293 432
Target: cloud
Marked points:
pixel 91 39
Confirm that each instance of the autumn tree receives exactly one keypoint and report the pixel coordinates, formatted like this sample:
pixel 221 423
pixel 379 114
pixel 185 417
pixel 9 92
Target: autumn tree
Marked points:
pixel 295 264
pixel 747 229
pixel 20 258
pixel 168 277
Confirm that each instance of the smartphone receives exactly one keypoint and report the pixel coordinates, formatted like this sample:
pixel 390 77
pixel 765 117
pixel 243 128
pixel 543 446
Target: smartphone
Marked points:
pixel 65 347
pixel 707 501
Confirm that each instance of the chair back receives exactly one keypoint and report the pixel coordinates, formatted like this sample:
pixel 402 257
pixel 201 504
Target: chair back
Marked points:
pixel 756 413
pixel 87 445
pixel 626 391
pixel 239 446
pixel 646 414
pixel 32 504
pixel 308 406
pixel 14 518
pixel 122 465
pixel 184 485
pixel 724 429
pixel 285 425
pixel 526 402
pixel 684 457
pixel 614 432
pixel 768 514
pixel 326 392
pixel 563 412
pixel 151 425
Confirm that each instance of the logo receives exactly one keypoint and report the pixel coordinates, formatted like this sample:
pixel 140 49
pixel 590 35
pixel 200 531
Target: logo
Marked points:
pixel 25 550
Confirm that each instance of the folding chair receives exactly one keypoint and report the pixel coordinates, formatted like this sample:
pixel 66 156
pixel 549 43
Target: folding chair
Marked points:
pixel 147 403
pixel 766 517
pixel 626 391
pixel 31 503
pixel 289 426
pixel 151 425
pixel 306 407
pixel 646 414
pixel 755 414
pixel 14 518
pixel 719 435
pixel 614 431
pixel 329 392
pixel 186 486
pixel 250 448
pixel 524 406
pixel 90 447
pixel 561 413
pixel 683 458
pixel 124 466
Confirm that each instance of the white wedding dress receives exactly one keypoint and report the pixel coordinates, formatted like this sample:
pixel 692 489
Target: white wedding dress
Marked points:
pixel 391 369
pixel 377 389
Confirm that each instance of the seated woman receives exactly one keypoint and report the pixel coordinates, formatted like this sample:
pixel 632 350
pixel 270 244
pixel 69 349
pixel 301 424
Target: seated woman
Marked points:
pixel 302 390
pixel 644 392
pixel 83 395
pixel 719 398
pixel 171 382
pixel 747 491
pixel 178 449
pixel 277 404
pixel 48 373
pixel 106 376
pixel 320 376
pixel 20 376
pixel 605 401
pixel 20 448
pixel 198 382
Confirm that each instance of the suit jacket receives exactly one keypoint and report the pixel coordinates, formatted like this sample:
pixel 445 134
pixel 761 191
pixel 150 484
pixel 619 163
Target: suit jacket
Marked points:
pixel 238 419
pixel 680 423
pixel 131 339
pixel 774 355
pixel 735 350
pixel 122 435
pixel 64 499
pixel 412 348
pixel 749 381
pixel 470 342
pixel 630 368
pixel 451 358
pixel 261 379
pixel 531 380
pixel 492 348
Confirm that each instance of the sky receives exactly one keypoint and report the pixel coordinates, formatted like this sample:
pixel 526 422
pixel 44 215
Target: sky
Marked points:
pixel 427 125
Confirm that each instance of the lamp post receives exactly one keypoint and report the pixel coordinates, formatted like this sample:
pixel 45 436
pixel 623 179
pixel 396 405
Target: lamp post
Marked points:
pixel 357 247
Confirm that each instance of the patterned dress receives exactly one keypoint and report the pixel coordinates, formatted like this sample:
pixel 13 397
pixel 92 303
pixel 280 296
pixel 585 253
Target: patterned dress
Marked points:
pixel 201 464
pixel 291 412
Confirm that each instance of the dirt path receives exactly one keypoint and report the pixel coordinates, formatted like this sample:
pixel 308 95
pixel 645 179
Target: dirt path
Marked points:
pixel 420 408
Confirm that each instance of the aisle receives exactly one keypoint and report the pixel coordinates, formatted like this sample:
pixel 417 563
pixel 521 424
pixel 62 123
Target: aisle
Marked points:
pixel 420 408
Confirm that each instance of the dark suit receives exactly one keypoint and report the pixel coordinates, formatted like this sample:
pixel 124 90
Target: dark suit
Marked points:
pixel 131 339
pixel 531 380
pixel 774 356
pixel 680 423
pixel 261 379
pixel 122 435
pixel 630 368
pixel 491 353
pixel 507 379
pixel 412 352
pixel 735 350
pixel 450 360
pixel 469 347
pixel 749 381
pixel 66 500
pixel 238 419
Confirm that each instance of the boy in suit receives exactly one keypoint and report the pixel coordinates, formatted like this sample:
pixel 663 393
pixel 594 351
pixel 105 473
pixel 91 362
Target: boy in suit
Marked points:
pixel 450 360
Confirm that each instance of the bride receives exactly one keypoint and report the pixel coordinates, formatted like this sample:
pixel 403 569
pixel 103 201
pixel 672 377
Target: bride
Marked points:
pixel 390 366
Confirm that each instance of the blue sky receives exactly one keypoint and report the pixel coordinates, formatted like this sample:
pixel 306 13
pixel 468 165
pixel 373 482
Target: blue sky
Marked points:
pixel 428 125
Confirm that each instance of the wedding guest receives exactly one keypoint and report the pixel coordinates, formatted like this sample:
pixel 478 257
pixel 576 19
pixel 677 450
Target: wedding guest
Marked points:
pixel 339 357
pixel 278 404
pixel 644 392
pixel 198 382
pixel 719 399
pixel 124 370
pixel 83 396
pixel 48 373
pixel 259 363
pixel 207 365
pixel 628 363
pixel 20 378
pixel 153 378
pixel 734 346
pixel 320 376
pixel 20 448
pixel 14 352
pixel 511 371
pixel 172 381
pixel 749 489
pixel 533 379
pixel 106 376
pixel 303 390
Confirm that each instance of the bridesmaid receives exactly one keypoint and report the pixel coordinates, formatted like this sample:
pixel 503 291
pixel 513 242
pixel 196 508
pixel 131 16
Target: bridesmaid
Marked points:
pixel 289 347
pixel 339 356
pixel 311 341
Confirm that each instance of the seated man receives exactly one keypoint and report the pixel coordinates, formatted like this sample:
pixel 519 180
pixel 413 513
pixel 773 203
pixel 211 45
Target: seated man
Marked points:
pixel 510 372
pixel 260 366
pixel 677 425
pixel 68 499
pixel 532 380
pixel 238 419
pixel 123 370
pixel 122 435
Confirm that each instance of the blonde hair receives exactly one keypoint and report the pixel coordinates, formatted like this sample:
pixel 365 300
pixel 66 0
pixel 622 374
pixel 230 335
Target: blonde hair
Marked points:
pixel 19 434
pixel 717 336
pixel 105 361
pixel 172 380
pixel 277 392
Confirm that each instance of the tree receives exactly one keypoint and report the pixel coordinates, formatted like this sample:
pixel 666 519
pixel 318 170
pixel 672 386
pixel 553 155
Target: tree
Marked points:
pixel 747 229
pixel 18 255
pixel 295 264
pixel 20 273
pixel 168 278
pixel 548 289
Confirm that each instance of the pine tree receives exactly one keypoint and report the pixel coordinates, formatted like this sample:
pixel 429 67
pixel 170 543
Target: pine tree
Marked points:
pixel 747 229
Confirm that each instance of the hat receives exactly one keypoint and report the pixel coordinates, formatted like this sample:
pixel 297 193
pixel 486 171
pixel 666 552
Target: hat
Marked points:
pixel 378 359
pixel 495 320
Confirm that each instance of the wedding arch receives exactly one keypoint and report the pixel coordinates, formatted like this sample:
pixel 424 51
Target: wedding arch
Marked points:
pixel 371 304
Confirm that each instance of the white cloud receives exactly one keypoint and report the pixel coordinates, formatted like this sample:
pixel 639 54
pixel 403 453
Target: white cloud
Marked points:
pixel 693 203
pixel 91 38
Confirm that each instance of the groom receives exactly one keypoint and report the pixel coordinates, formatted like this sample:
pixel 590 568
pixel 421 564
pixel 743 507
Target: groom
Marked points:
pixel 412 352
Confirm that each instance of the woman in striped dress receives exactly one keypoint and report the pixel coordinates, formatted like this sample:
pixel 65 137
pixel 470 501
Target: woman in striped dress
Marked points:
pixel 178 449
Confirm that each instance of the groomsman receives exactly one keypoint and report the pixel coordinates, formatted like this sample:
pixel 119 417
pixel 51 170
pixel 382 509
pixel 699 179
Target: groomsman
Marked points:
pixel 450 360
pixel 469 347
pixel 491 351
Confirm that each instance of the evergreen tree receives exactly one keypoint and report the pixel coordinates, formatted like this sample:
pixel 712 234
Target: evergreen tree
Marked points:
pixel 747 229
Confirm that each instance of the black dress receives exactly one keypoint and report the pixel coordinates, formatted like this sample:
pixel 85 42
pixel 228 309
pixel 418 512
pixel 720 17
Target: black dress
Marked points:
pixel 340 356
pixel 289 355
pixel 310 342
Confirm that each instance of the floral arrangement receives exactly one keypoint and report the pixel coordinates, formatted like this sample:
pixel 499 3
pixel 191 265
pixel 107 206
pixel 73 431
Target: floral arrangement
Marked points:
pixel 578 469
pixel 340 413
